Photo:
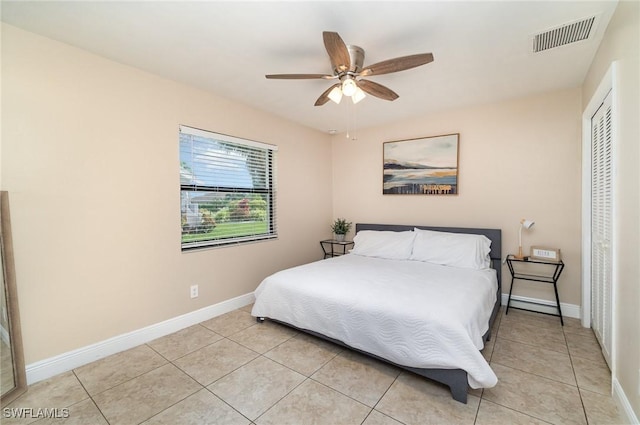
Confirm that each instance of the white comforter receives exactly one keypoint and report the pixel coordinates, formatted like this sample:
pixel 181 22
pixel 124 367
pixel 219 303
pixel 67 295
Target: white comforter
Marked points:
pixel 411 313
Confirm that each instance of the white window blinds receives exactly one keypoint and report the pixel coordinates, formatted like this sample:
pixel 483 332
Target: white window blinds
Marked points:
pixel 227 189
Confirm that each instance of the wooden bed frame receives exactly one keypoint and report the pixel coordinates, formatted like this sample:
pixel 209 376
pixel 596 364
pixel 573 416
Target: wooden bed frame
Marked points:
pixel 455 379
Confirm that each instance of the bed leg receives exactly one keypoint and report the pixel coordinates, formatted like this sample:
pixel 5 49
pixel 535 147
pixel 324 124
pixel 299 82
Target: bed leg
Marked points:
pixel 259 319
pixel 455 379
pixel 459 385
pixel 459 393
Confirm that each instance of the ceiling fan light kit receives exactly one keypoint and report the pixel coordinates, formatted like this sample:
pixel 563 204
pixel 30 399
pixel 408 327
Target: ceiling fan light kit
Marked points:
pixel 335 94
pixel 348 67
pixel 358 95
pixel 349 86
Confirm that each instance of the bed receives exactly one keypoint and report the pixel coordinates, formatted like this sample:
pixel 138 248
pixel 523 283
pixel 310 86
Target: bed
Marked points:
pixel 398 297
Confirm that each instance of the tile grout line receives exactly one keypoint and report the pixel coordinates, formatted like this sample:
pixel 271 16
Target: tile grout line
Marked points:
pixel 263 355
pixel 203 387
pixel 337 354
pixel 382 396
pixel 90 396
pixel 190 352
pixel 281 398
pixel 536 346
pixel 493 349
pixel 573 369
pixel 309 378
pixel 183 399
pixel 171 362
pixel 306 378
pixel 540 376
pixel 508 407
pixel 206 387
pixel 230 406
pixel 123 382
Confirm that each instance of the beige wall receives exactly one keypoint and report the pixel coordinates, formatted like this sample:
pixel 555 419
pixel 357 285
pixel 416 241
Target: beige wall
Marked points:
pixel 518 158
pixel 90 159
pixel 90 156
pixel 622 43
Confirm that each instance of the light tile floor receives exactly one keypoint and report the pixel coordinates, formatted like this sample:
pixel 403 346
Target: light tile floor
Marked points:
pixel 231 370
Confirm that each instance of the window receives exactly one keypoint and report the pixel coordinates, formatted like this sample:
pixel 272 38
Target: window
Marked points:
pixel 227 189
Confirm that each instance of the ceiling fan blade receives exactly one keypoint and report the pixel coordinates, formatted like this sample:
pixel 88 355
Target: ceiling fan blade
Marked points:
pixel 397 64
pixel 377 90
pixel 299 76
pixel 337 50
pixel 324 97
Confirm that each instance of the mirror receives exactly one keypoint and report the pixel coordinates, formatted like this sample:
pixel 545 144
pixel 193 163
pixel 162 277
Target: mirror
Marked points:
pixel 13 380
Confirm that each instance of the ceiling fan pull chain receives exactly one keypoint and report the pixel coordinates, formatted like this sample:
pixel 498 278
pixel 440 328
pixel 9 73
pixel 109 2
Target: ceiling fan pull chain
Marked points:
pixel 355 122
pixel 347 119
pixel 351 120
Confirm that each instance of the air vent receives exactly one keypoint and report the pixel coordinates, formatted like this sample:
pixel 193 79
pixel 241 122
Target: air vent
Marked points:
pixel 565 34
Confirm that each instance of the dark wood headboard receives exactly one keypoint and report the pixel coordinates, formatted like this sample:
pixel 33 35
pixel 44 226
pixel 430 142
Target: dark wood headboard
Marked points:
pixel 495 235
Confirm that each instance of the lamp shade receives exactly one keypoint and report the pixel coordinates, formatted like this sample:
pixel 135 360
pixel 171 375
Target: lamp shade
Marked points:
pixel 358 95
pixel 336 95
pixel 527 223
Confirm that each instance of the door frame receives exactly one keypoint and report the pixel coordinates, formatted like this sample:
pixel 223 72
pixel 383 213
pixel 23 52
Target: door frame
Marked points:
pixel 607 84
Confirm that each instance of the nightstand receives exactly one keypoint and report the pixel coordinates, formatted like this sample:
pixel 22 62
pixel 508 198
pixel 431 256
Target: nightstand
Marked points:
pixel 538 271
pixel 334 248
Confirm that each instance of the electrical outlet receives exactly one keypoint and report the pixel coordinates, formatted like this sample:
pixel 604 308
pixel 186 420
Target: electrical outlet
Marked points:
pixel 194 291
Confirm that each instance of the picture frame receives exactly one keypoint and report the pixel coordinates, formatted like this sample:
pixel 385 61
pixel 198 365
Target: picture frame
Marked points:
pixel 423 166
pixel 542 253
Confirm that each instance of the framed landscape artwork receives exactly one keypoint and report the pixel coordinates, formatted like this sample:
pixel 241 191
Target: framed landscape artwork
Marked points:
pixel 426 166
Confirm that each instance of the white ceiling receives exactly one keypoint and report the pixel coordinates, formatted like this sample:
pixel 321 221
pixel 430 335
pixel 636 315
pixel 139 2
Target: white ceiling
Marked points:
pixel 482 50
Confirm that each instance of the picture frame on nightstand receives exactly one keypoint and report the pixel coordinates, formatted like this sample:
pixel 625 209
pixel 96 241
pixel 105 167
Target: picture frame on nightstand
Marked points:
pixel 545 254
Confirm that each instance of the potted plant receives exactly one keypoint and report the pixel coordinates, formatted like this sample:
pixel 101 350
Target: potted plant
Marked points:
pixel 340 228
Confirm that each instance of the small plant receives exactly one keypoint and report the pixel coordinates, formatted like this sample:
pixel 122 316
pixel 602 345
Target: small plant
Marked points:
pixel 341 226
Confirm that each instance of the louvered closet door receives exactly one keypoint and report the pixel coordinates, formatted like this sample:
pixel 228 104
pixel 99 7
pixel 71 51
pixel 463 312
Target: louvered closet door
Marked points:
pixel 601 225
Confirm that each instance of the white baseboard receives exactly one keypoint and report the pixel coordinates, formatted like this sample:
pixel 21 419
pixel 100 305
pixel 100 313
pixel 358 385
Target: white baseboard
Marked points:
pixel 542 306
pixel 64 362
pixel 623 404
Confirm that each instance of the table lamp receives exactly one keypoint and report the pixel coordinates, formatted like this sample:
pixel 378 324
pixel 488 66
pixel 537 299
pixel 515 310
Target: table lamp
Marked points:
pixel 527 224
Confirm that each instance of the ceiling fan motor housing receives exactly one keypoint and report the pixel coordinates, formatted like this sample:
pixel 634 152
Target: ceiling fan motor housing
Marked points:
pixel 356 54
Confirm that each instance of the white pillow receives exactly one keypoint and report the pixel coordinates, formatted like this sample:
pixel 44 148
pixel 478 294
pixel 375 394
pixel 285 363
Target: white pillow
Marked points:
pixel 384 244
pixel 452 249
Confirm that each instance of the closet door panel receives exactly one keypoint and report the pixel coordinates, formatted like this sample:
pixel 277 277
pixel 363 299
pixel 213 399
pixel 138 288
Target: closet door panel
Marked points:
pixel 601 225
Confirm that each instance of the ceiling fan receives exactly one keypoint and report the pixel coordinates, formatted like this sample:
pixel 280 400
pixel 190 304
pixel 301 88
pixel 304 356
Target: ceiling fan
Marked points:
pixel 347 62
